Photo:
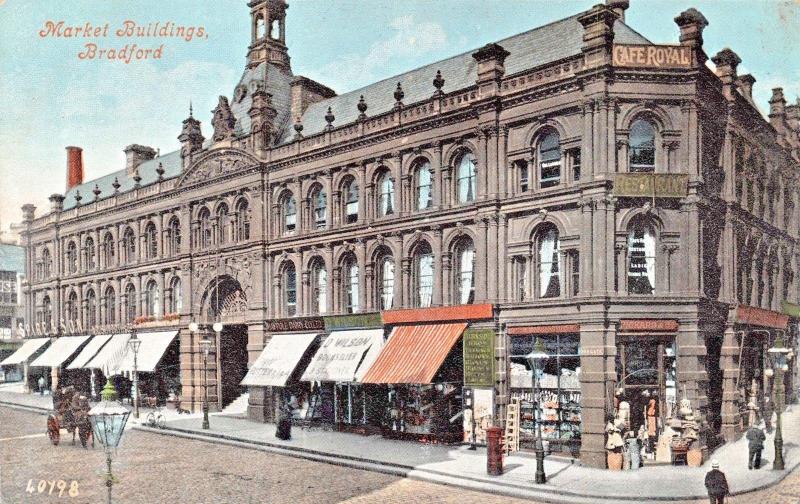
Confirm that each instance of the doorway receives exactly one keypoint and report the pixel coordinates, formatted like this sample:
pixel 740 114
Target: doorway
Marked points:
pixel 231 363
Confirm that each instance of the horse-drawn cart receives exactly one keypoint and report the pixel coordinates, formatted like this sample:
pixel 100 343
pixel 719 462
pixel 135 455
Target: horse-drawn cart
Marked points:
pixel 71 412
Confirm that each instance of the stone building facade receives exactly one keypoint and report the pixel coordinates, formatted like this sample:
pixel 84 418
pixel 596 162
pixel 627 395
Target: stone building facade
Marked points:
pixel 581 179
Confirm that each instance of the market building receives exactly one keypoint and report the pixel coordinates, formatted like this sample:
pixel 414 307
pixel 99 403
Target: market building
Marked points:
pixel 618 204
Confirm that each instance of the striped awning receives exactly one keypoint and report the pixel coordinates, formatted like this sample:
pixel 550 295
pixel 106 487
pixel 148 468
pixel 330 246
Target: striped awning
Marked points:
pixel 89 351
pixel 110 356
pixel 23 353
pixel 414 354
pixel 154 346
pixel 344 356
pixel 278 360
pixel 62 349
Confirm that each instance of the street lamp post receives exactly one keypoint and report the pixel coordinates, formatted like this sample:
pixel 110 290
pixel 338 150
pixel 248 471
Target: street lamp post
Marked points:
pixel 134 343
pixel 533 358
pixel 108 419
pixel 779 352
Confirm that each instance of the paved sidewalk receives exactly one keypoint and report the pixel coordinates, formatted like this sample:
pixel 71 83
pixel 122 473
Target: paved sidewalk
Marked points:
pixel 568 481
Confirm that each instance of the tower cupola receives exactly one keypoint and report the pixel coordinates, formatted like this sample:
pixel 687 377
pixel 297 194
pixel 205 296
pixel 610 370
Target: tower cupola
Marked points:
pixel 268 37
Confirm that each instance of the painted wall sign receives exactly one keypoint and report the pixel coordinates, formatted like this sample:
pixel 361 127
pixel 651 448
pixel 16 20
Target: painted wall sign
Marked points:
pixel 296 324
pixel 652 56
pixel 479 358
pixel 353 321
pixel 650 185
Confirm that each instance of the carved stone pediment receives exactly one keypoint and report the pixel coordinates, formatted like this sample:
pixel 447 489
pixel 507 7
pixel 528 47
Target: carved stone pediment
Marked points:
pixel 217 162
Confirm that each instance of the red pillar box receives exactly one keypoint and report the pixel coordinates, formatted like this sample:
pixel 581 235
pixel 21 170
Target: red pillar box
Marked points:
pixel 494 451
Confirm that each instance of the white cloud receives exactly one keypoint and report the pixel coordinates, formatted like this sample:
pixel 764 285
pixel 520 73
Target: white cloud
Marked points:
pixel 406 38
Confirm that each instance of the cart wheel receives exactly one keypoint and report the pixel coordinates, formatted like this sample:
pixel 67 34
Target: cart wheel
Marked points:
pixel 53 430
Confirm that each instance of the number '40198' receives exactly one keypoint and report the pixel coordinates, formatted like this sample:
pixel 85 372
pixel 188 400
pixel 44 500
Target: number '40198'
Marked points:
pixel 48 487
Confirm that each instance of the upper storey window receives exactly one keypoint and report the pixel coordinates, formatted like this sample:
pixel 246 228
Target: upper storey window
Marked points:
pixel 641 258
pixel 289 214
pixel 549 265
pixel 91 263
pixel 204 216
pixel 108 250
pixel 423 276
pixel 350 284
pixel 386 194
pixel 72 258
pixel 467 178
pixel 290 289
pixel 351 201
pixel 550 160
pixel 242 220
pixel 47 263
pixel 222 223
pixel 642 146
pixel 424 185
pixel 150 241
pixel 320 200
pixel 174 236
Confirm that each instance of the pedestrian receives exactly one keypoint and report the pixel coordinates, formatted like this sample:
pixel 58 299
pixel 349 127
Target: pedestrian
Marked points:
pixel 41 385
pixel 716 484
pixel 284 430
pixel 755 440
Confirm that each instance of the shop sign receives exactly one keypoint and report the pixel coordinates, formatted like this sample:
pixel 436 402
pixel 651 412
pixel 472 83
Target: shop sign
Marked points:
pixel 760 317
pixel 296 324
pixel 652 56
pixel 353 321
pixel 790 309
pixel 663 325
pixel 546 329
pixel 479 358
pixel 651 185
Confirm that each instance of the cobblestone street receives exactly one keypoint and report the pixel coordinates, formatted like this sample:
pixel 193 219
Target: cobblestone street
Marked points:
pixel 154 469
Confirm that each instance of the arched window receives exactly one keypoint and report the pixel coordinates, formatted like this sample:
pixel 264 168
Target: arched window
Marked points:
pixel 275 30
pixel 385 194
pixel 549 160
pixel 423 185
pixel 47 263
pixel 47 314
pixel 242 220
pixel 386 282
pixel 290 289
pixel 150 241
pixel 174 236
pixel 130 303
pixel 423 275
pixel 351 201
pixel 222 223
pixel 204 216
pixel 289 210
pixel 641 258
pixel 91 309
pixel 467 179
pixel 176 296
pixel 152 301
pixel 129 245
pixel 642 146
pixel 350 284
pixel 91 262
pixel 73 308
pixel 549 265
pixel 110 307
pixel 320 202
pixel 261 27
pixel 72 257
pixel 319 287
pixel 465 272
pixel 108 250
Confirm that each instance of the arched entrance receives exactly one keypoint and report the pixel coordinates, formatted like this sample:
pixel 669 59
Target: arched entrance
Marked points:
pixel 225 300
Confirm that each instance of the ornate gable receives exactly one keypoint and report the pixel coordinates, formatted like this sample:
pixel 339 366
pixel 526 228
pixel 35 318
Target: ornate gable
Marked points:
pixel 216 163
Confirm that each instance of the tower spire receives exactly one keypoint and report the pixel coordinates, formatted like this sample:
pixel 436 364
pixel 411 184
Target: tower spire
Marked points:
pixel 268 34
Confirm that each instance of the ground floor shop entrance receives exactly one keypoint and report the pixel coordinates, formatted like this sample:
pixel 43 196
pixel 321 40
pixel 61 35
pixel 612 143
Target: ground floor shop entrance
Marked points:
pixel 231 363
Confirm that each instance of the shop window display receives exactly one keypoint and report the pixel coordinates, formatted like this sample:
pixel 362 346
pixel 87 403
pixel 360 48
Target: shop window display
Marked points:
pixel 557 404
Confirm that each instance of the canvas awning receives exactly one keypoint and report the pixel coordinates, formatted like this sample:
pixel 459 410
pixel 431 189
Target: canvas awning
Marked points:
pixel 345 356
pixel 89 351
pixel 62 349
pixel 152 349
pixel 414 353
pixel 23 353
pixel 278 360
pixel 110 356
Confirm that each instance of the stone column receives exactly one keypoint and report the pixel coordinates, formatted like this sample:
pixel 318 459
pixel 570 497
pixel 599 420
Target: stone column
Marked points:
pixel 502 162
pixel 598 376
pixel 482 168
pixel 438 189
pixel 407 297
pixel 503 293
pixel 438 281
pixel 731 421
pixel 397 159
pixel 361 257
pixel 448 281
pixel 691 365
pixel 481 262
pixel 492 266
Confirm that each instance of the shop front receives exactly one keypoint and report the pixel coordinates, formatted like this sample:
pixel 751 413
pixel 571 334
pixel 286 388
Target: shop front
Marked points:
pixel 18 362
pixel 58 353
pixel 421 368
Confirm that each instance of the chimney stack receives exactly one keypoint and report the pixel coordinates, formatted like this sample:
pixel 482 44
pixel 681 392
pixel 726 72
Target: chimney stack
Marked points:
pixel 135 155
pixel 727 61
pixel 491 68
pixel 691 23
pixel 28 212
pixel 56 203
pixel 619 7
pixel 74 167
pixel 745 84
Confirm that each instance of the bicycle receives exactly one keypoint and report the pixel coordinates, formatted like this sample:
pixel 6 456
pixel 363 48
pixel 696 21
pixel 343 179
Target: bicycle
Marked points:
pixel 156 418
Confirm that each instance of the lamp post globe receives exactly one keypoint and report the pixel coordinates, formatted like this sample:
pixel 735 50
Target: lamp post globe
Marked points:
pixel 538 353
pixel 134 343
pixel 108 420
pixel 779 353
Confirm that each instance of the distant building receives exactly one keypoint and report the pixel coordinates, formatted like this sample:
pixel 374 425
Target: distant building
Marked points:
pixel 12 309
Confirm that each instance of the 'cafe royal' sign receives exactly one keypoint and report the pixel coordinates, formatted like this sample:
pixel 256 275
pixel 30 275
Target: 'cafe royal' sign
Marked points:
pixel 652 56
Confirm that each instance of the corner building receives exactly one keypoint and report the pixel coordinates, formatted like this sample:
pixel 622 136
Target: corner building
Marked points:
pixel 580 185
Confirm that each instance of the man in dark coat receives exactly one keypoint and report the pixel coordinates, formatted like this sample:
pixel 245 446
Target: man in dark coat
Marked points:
pixel 755 441
pixel 284 419
pixel 716 484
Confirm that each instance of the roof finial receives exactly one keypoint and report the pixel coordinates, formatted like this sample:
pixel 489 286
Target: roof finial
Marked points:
pixel 190 109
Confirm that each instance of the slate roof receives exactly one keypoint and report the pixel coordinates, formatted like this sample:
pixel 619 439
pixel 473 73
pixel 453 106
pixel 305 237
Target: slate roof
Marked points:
pixel 536 47
pixel 12 258
pixel 276 83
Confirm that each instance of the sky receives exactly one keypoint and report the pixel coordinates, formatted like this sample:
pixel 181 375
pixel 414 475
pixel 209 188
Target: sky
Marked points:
pixel 51 98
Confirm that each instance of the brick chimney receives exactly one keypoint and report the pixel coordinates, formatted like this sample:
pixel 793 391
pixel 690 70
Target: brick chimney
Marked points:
pixel 745 85
pixel 777 111
pixel 692 22
pixel 727 61
pixel 619 7
pixel 598 35
pixel 135 155
pixel 74 167
pixel 306 92
pixel 491 60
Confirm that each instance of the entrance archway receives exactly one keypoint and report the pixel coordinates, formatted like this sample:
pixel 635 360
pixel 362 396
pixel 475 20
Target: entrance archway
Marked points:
pixel 225 300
